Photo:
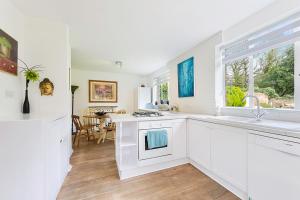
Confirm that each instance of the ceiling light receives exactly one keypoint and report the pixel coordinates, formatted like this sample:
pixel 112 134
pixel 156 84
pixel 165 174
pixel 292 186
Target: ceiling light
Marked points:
pixel 119 63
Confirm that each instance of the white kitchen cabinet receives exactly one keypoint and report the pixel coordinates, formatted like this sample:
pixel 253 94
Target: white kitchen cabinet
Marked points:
pixel 53 159
pixel 65 146
pixel 126 145
pixel 129 146
pixel 229 155
pixel 273 166
pixel 179 138
pixel 199 141
pixel 58 142
pixel 34 156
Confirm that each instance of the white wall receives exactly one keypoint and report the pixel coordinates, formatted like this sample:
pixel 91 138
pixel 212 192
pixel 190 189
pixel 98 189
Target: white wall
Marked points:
pixel 204 74
pixel 266 16
pixel 39 42
pixel 12 22
pixel 49 46
pixel 127 87
pixel 204 53
pixel 272 13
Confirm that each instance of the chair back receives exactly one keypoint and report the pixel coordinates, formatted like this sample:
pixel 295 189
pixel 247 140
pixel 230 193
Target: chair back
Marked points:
pixel 102 123
pixel 77 123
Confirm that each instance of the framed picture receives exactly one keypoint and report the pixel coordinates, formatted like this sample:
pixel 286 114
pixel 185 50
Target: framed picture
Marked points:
pixel 103 91
pixel 185 72
pixel 8 53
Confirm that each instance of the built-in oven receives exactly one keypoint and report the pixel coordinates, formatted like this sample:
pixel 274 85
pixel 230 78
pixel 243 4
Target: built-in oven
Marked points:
pixel 148 150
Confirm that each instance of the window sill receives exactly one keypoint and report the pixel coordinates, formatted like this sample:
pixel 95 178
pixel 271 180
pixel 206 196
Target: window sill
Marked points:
pixel 266 109
pixel 270 113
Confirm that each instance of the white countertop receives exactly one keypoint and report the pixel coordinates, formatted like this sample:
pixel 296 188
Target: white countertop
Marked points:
pixel 131 118
pixel 277 127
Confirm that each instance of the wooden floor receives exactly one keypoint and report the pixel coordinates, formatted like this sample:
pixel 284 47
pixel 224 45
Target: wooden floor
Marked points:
pixel 94 177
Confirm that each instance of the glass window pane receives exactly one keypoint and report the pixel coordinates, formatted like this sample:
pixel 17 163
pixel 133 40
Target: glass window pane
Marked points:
pixel 164 91
pixel 237 82
pixel 154 94
pixel 274 77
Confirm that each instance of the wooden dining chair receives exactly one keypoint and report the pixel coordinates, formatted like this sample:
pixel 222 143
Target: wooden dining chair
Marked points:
pixel 102 130
pixel 82 130
pixel 111 128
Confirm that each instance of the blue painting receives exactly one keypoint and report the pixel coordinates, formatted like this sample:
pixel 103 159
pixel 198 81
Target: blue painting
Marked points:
pixel 185 71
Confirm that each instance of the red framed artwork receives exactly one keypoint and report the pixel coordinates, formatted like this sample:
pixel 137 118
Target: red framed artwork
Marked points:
pixel 8 53
pixel 103 91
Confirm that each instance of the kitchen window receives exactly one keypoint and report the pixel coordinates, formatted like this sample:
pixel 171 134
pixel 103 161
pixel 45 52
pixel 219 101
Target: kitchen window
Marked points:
pixel 264 64
pixel 164 92
pixel 161 93
pixel 160 87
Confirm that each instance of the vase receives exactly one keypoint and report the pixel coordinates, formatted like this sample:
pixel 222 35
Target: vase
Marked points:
pixel 26 106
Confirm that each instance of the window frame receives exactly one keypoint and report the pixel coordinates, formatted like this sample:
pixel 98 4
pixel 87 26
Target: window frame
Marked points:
pixel 220 74
pixel 168 85
pixel 163 76
pixel 251 91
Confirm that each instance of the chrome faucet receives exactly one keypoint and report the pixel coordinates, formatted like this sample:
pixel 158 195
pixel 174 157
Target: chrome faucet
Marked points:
pixel 258 113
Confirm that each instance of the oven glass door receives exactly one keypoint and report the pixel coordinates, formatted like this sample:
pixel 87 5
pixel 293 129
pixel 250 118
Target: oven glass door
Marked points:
pixel 146 153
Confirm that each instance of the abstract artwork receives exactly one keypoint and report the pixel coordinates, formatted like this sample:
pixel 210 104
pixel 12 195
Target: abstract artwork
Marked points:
pixel 8 53
pixel 185 72
pixel 103 91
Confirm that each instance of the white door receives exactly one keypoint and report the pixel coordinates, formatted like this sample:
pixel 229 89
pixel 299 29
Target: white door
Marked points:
pixel 199 134
pixel 229 155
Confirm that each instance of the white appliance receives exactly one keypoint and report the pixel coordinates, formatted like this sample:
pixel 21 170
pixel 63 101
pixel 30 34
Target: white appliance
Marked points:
pixel 273 167
pixel 144 95
pixel 146 153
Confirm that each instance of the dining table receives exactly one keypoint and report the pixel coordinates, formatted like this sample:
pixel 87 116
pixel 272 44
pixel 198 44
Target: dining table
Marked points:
pixel 94 116
pixel 98 124
pixel 94 120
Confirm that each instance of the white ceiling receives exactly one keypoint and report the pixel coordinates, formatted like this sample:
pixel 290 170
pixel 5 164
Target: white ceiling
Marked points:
pixel 143 34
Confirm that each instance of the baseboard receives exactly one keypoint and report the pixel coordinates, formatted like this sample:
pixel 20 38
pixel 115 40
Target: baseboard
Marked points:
pixel 239 193
pixel 129 173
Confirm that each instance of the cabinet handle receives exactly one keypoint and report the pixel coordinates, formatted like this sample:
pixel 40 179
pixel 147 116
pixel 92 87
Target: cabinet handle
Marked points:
pixel 61 140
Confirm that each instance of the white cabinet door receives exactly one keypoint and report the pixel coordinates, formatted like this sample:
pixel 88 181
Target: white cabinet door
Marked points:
pixel 273 167
pixel 65 145
pixel 199 142
pixel 53 160
pixel 179 138
pixel 229 155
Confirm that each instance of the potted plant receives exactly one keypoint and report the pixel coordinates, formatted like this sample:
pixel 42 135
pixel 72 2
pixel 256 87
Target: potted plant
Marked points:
pixel 31 74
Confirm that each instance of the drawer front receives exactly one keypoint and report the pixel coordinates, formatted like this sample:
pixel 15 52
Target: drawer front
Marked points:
pixel 154 124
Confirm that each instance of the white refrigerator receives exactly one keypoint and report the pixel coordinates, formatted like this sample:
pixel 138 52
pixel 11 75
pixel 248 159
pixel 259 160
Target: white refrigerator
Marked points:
pixel 144 96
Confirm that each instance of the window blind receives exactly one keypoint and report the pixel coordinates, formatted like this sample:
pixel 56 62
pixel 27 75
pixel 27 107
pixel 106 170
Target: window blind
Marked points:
pixel 284 31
